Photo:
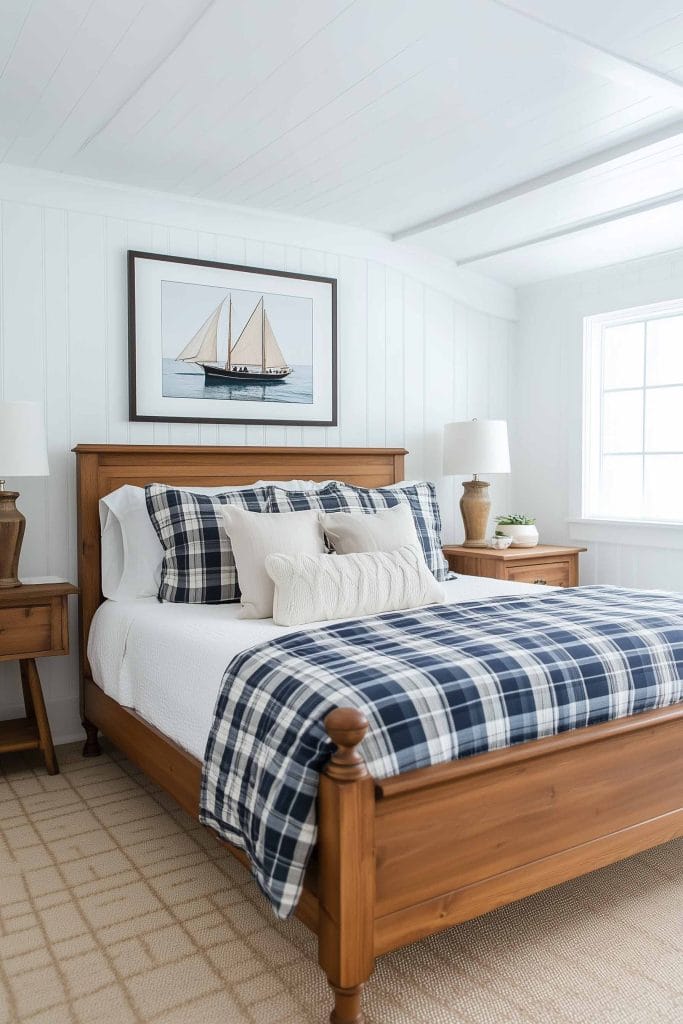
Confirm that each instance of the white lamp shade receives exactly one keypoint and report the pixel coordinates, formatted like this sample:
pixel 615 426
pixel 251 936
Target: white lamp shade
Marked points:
pixel 23 444
pixel 476 446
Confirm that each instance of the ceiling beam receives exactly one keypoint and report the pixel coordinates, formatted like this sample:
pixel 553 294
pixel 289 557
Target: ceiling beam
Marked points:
pixel 602 156
pixel 600 60
pixel 647 205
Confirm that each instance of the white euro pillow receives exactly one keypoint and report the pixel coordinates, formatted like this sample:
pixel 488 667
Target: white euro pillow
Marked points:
pixel 131 551
pixel 295 485
pixel 256 535
pixel 356 530
pixel 313 588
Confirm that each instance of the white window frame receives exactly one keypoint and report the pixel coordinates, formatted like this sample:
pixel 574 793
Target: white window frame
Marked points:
pixel 592 406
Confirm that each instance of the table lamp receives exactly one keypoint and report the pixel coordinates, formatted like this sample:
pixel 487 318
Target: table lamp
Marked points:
pixel 475 446
pixel 23 452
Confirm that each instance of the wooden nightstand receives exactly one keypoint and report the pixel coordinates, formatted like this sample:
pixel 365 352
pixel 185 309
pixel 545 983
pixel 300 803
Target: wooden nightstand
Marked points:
pixel 34 624
pixel 555 566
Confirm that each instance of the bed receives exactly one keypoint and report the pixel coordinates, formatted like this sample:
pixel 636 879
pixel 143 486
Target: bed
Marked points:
pixel 402 858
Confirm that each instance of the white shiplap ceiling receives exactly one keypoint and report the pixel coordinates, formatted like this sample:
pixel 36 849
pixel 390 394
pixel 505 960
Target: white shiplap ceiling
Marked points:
pixel 521 138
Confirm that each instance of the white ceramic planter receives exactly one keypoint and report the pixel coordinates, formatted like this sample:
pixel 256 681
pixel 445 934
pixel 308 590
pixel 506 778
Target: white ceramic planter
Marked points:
pixel 522 536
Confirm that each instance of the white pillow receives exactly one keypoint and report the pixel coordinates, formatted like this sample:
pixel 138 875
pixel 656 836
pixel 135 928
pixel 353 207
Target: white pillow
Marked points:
pixel 387 529
pixel 254 536
pixel 311 588
pixel 131 550
pixel 294 485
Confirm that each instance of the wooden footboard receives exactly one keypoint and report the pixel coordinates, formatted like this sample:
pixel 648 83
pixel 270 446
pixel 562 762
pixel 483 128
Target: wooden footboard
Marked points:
pixel 507 824
pixel 458 840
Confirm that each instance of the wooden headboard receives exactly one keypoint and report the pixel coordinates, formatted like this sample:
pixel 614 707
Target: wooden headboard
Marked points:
pixel 104 467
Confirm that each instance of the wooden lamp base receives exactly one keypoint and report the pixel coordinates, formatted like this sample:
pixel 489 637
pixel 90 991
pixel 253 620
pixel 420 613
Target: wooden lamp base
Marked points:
pixel 12 526
pixel 475 506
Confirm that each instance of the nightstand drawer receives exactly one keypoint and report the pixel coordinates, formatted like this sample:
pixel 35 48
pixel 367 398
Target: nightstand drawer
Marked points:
pixel 32 630
pixel 554 574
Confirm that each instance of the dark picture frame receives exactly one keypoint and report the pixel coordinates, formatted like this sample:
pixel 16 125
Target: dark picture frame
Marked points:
pixel 268 388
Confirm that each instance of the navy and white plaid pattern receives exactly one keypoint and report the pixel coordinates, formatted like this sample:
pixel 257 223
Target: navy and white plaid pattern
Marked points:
pixel 199 564
pixel 436 684
pixel 340 497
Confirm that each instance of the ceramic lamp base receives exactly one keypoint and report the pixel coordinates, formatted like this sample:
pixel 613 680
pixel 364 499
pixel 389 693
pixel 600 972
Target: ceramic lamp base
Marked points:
pixel 12 526
pixel 475 506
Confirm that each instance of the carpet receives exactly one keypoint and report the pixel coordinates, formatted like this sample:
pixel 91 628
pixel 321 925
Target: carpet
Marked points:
pixel 117 908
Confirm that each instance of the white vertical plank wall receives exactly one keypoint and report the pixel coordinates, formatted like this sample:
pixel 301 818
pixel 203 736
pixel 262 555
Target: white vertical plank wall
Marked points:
pixel 412 356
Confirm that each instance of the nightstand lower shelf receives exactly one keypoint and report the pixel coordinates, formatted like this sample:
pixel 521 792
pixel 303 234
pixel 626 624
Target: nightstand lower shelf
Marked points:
pixel 33 731
pixel 18 734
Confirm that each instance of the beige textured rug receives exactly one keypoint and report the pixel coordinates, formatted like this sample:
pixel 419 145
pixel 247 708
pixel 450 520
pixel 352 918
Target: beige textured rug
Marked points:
pixel 115 907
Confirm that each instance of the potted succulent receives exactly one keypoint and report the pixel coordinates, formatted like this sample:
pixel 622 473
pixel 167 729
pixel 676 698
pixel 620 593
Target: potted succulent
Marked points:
pixel 522 529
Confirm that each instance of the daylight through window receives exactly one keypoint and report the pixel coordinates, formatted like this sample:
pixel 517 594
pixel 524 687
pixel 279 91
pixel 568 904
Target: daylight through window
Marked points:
pixel 633 414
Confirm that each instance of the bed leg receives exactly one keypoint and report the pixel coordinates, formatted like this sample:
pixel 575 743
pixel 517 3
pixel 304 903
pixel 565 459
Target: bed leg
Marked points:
pixel 346 841
pixel 91 747
pixel 347 1006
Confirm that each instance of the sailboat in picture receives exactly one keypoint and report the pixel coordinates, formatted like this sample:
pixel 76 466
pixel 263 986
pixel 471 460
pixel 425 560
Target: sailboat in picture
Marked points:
pixel 254 357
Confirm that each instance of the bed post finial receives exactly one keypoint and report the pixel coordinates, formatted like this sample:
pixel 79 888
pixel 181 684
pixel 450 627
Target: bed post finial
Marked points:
pixel 346 853
pixel 346 727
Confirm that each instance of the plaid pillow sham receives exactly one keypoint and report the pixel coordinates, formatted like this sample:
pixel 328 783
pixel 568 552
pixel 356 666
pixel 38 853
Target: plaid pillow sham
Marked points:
pixel 199 564
pixel 340 497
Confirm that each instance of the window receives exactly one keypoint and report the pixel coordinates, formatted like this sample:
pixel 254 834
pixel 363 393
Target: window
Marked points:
pixel 633 414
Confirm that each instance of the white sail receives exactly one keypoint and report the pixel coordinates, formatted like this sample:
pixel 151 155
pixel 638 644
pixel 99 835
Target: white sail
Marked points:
pixel 248 349
pixel 273 357
pixel 203 346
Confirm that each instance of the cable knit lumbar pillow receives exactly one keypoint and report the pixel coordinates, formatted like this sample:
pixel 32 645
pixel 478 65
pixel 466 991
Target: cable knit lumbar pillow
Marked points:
pixel 312 588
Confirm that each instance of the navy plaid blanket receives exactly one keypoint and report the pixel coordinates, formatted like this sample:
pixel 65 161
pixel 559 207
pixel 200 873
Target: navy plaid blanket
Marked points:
pixel 436 684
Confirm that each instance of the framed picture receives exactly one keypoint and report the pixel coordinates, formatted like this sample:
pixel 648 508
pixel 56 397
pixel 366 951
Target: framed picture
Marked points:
pixel 220 343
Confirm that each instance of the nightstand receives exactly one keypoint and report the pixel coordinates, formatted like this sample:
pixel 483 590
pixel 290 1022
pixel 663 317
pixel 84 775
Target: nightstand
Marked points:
pixel 34 624
pixel 554 566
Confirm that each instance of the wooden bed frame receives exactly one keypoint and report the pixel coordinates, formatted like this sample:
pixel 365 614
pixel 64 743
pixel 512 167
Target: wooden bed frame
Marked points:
pixel 402 858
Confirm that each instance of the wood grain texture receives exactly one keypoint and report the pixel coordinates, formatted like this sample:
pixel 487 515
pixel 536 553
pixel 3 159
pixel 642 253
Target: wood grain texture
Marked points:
pixel 12 527
pixel 37 713
pixel 545 564
pixel 25 629
pixel 33 623
pixel 464 903
pixel 447 836
pixel 34 620
pixel 346 854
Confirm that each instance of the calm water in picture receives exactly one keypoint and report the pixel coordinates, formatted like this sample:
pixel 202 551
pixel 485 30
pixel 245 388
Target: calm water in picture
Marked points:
pixel 182 380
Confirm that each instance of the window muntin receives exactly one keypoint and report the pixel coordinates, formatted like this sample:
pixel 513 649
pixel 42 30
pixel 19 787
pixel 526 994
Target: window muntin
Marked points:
pixel 633 415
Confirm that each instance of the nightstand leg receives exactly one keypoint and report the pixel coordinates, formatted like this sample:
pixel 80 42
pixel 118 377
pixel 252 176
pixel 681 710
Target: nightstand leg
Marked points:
pixel 28 666
pixel 26 689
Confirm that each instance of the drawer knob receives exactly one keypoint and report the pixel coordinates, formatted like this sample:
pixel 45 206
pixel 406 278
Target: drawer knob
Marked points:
pixel 542 582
